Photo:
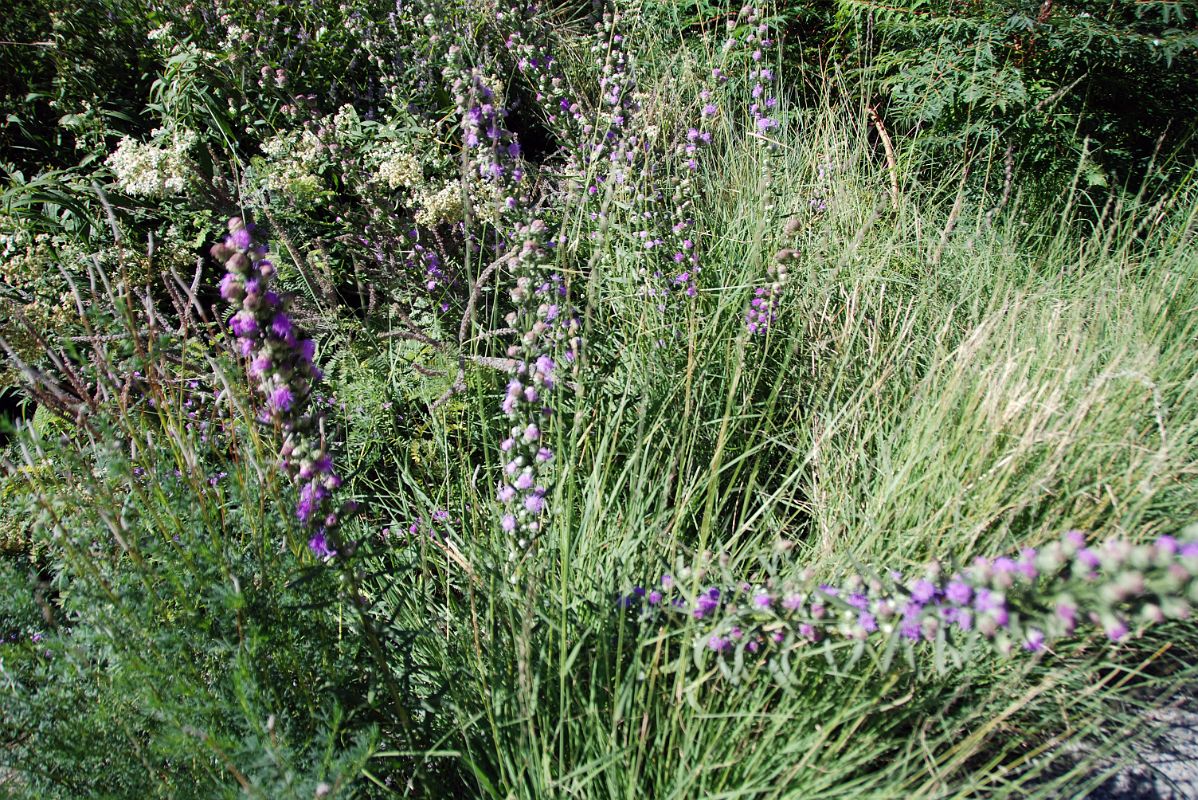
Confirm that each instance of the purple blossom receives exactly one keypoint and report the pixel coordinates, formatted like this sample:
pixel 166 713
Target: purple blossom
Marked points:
pixel 705 605
pixel 923 591
pixel 243 325
pixel 966 606
pixel 281 326
pixel 958 592
pixel 281 399
pixel 241 239
pixel 283 372
pixel 231 287
pixel 319 545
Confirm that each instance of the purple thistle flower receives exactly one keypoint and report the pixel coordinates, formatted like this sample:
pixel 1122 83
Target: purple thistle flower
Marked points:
pixel 534 503
pixel 1067 613
pixel 958 592
pixel 704 605
pixel 243 325
pixel 319 545
pixel 281 399
pixel 262 314
pixel 281 326
pixel 241 239
pixel 231 287
pixel 923 591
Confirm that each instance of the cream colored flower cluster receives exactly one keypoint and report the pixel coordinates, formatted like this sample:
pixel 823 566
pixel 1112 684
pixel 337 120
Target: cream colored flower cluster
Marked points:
pixel 295 163
pixel 31 294
pixel 159 168
pixel 399 169
pixel 440 206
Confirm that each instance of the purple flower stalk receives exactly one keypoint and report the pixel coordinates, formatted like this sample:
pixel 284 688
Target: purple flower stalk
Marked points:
pixel 283 373
pixel 1027 604
pixel 547 344
pixel 492 150
pixel 763 309
pixel 527 40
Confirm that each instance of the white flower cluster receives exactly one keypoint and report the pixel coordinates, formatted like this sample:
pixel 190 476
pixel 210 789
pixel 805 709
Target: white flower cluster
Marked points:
pixel 346 123
pixel 20 250
pixel 152 170
pixel 295 163
pixel 399 169
pixel 443 205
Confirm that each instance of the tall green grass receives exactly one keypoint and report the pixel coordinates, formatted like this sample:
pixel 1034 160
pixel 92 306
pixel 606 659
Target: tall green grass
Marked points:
pixel 914 400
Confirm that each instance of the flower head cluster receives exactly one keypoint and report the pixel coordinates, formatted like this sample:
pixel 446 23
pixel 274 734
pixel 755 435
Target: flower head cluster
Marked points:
pixel 761 76
pixel 1025 602
pixel 669 230
pixel 294 163
pixel 492 149
pixel 548 339
pixel 426 262
pixel 152 170
pixel 542 317
pixel 399 169
pixel 614 137
pixel 435 207
pixel 281 366
pixel 527 39
pixel 624 165
pixel 763 308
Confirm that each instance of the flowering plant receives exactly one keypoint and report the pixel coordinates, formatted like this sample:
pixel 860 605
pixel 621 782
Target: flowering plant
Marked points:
pixel 1023 603
pixel 280 362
